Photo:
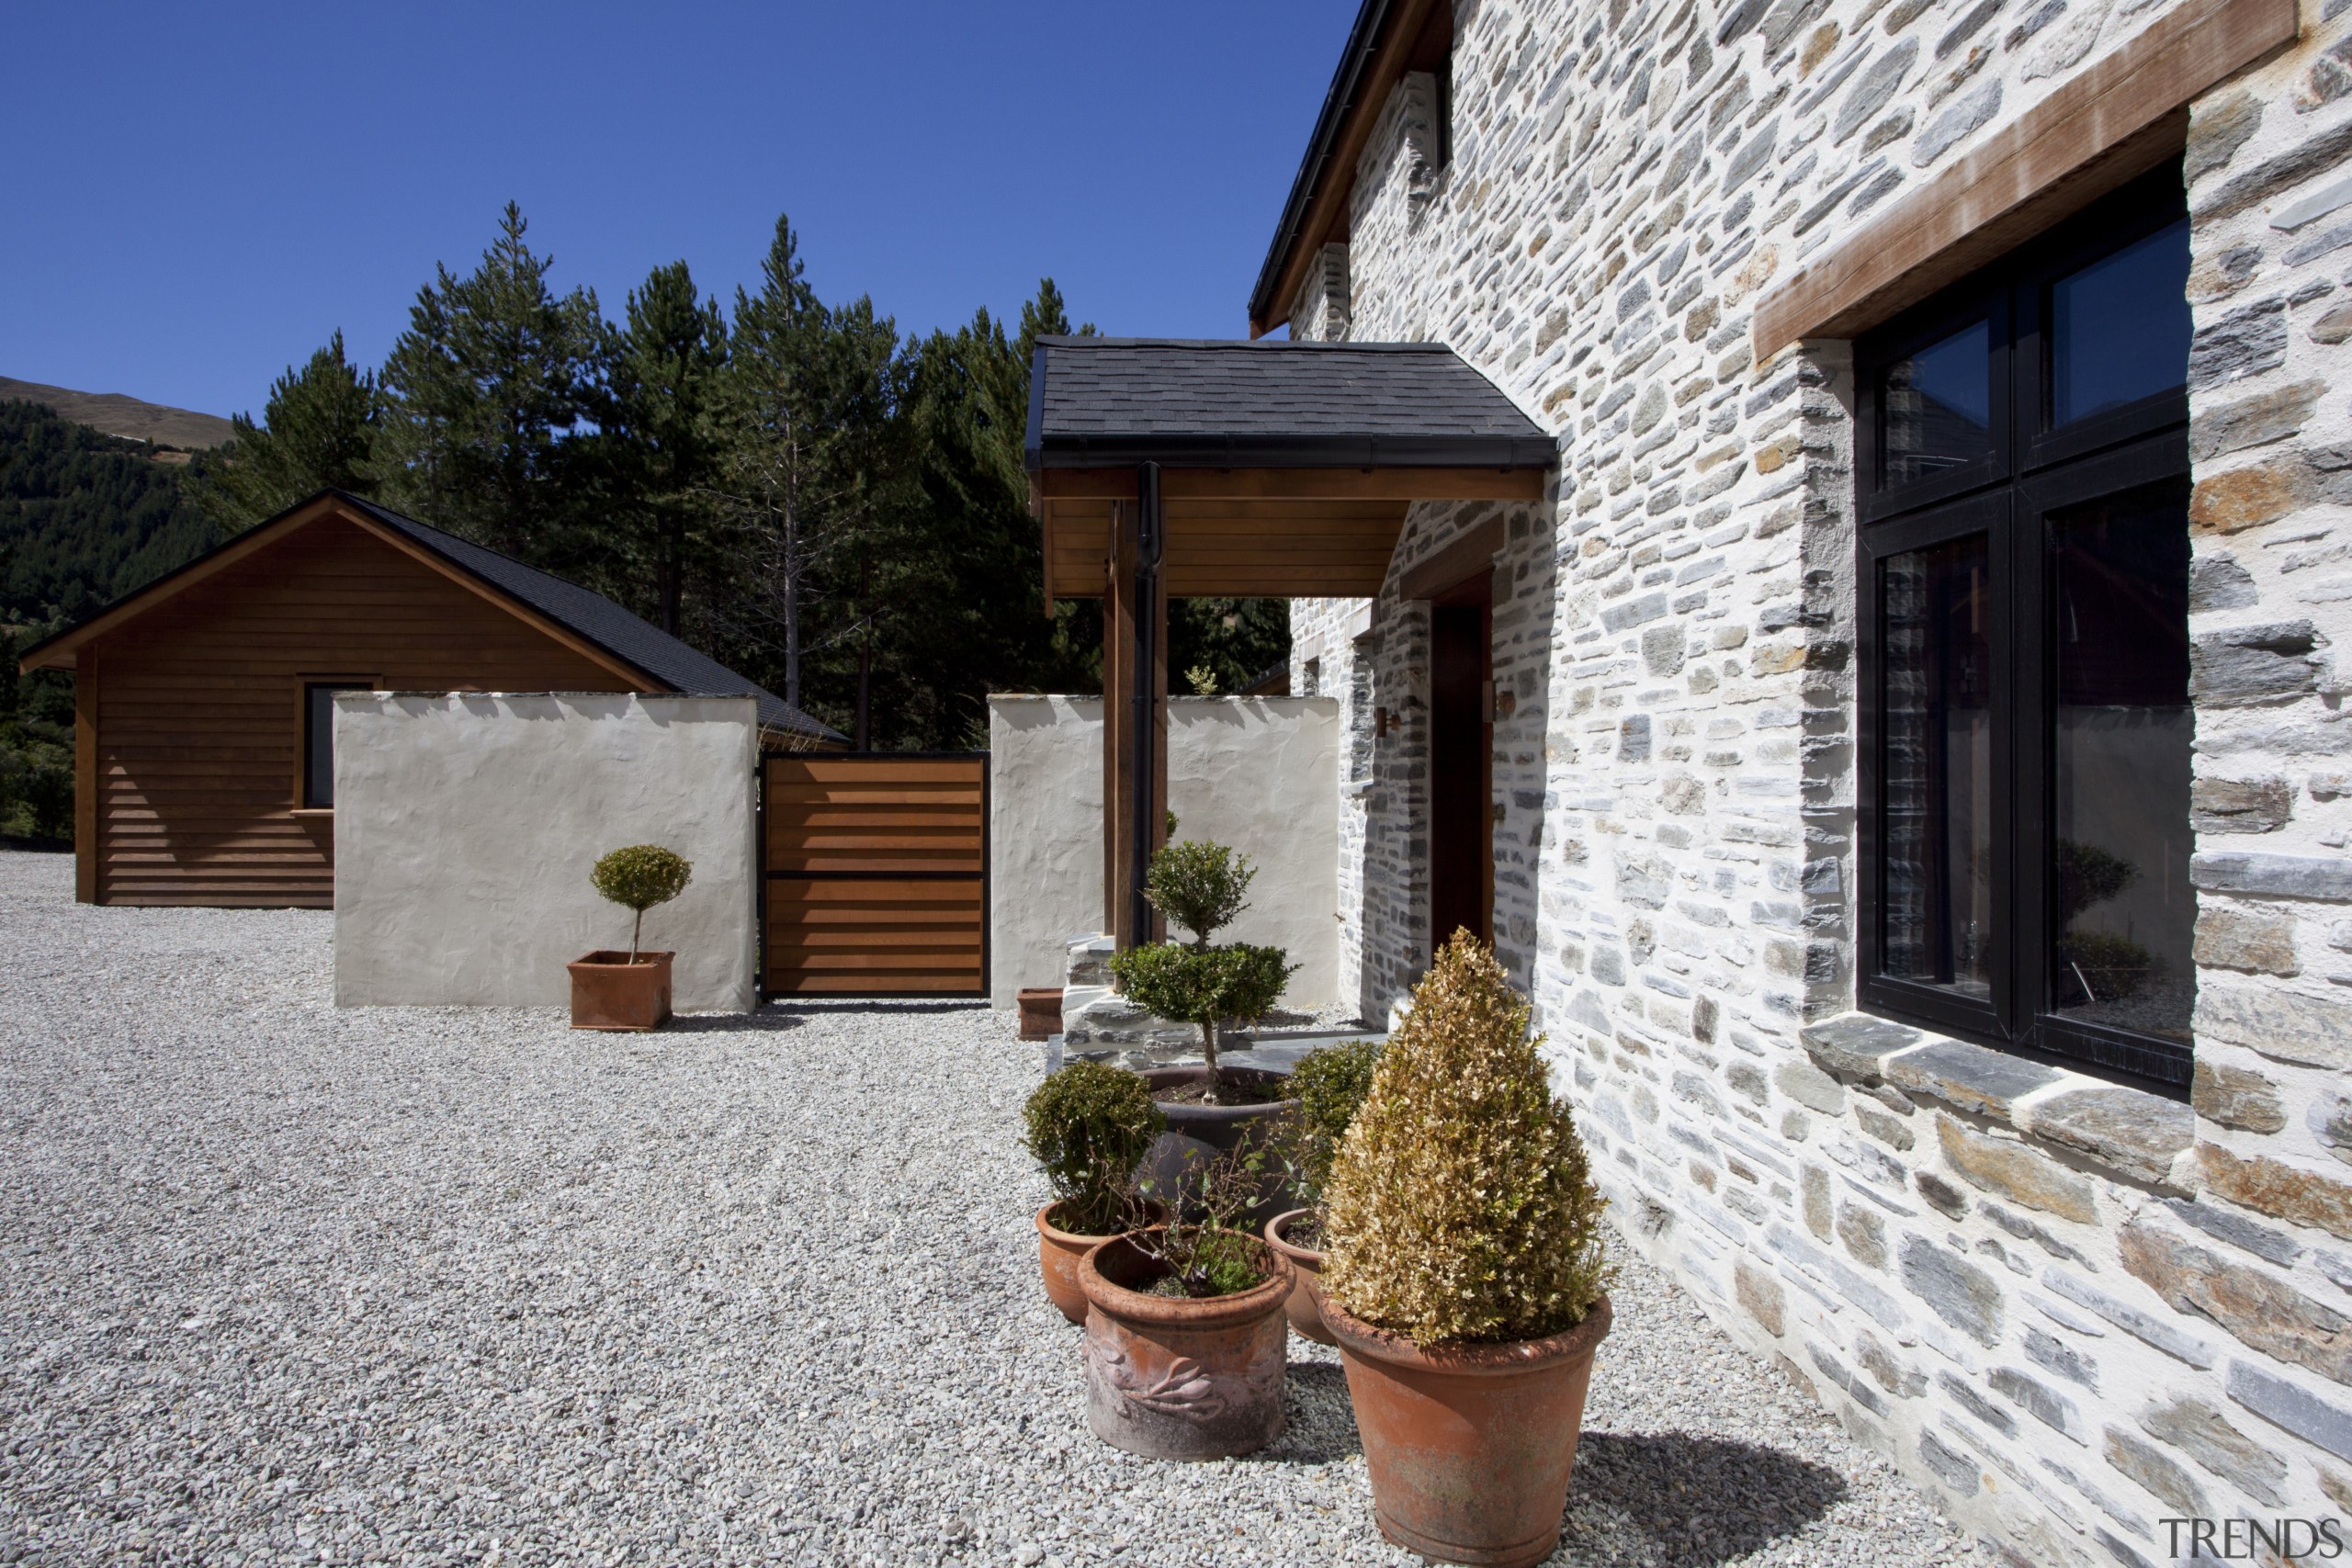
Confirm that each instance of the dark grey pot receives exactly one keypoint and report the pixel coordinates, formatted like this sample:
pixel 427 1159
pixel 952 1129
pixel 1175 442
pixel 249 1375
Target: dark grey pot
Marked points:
pixel 1200 1133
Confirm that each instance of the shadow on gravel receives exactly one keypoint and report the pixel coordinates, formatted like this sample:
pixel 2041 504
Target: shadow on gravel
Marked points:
pixel 762 1022
pixel 1319 1424
pixel 879 1004
pixel 1678 1500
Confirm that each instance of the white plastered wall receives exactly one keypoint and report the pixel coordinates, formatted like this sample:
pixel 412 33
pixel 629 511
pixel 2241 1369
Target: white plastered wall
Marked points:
pixel 1259 773
pixel 466 824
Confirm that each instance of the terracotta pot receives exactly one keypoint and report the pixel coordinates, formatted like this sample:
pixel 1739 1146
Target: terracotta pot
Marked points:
pixel 1200 1133
pixel 1470 1447
pixel 1304 1305
pixel 1041 1012
pixel 610 992
pixel 1170 1378
pixel 1058 1252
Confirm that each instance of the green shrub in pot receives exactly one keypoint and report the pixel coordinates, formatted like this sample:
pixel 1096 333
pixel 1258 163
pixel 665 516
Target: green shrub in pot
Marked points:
pixel 1089 1125
pixel 1465 1279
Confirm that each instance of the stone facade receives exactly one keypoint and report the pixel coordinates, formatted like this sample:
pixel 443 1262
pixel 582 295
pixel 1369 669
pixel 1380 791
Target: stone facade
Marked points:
pixel 2073 1310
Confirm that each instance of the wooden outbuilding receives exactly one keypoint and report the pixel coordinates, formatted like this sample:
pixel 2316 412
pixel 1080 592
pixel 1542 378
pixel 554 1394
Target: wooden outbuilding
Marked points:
pixel 203 735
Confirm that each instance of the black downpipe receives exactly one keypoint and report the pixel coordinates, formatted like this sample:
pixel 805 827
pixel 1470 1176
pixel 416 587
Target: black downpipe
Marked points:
pixel 1149 530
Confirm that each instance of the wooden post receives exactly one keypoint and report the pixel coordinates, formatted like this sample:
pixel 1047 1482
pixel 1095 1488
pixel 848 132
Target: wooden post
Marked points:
pixel 86 815
pixel 1118 641
pixel 1134 713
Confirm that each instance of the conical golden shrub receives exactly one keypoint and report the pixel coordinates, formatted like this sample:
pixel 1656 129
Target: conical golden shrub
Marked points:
pixel 1460 1208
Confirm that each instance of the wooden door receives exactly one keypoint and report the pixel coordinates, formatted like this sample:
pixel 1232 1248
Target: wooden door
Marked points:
pixel 1462 731
pixel 875 874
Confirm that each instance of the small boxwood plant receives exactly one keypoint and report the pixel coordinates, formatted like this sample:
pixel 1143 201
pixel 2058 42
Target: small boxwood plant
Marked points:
pixel 638 879
pixel 1089 1124
pixel 1330 1084
pixel 1460 1208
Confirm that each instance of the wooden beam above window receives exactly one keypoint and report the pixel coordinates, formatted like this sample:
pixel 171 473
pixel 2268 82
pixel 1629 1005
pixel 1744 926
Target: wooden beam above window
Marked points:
pixel 2110 122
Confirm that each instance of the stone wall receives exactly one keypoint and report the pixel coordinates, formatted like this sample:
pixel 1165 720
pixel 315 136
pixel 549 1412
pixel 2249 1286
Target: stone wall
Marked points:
pixel 2072 1310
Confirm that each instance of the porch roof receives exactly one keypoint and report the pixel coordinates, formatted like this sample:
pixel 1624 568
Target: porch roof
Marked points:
pixel 1286 466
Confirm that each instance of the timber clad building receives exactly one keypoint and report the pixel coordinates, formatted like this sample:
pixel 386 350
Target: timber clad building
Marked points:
pixel 203 744
pixel 1895 734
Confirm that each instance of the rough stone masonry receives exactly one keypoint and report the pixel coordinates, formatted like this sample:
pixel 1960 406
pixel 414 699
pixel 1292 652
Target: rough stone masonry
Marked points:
pixel 2071 1309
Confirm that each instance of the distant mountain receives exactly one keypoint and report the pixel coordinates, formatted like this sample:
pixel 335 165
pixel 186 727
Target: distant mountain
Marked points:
pixel 115 415
pixel 84 517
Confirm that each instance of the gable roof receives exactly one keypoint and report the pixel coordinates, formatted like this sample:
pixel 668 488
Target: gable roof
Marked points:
pixel 624 640
pixel 1389 37
pixel 1098 402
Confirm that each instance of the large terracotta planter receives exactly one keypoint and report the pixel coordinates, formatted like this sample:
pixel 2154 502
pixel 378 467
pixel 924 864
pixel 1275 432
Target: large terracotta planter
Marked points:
pixel 1197 1134
pixel 610 992
pixel 1470 1447
pixel 1304 1306
pixel 1058 1252
pixel 1170 1378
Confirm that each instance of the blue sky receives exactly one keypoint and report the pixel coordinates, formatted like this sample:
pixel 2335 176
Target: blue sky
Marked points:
pixel 196 195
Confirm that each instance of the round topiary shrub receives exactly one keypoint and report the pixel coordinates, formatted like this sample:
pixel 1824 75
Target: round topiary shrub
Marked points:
pixel 1204 986
pixel 1460 1208
pixel 1198 886
pixel 639 877
pixel 1090 1126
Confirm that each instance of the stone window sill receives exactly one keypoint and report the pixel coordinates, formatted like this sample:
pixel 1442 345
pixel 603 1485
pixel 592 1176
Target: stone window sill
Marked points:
pixel 2128 1132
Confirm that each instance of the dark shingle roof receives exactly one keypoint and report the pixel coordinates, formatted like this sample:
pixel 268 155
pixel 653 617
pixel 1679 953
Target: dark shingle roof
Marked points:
pixel 1272 403
pixel 600 621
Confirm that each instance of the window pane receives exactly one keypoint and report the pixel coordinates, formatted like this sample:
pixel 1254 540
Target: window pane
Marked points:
pixel 2119 329
pixel 318 741
pixel 1937 406
pixel 2124 913
pixel 1938 767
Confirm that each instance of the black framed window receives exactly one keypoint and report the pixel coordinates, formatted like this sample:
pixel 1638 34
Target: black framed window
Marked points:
pixel 2026 729
pixel 318 744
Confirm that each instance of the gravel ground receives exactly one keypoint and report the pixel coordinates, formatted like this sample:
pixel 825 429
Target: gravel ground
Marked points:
pixel 287 1284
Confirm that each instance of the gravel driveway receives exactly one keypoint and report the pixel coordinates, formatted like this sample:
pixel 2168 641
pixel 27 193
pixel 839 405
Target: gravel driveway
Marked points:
pixel 287 1284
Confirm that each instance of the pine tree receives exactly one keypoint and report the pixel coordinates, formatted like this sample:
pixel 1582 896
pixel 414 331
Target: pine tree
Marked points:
pixel 493 377
pixel 659 437
pixel 317 432
pixel 767 400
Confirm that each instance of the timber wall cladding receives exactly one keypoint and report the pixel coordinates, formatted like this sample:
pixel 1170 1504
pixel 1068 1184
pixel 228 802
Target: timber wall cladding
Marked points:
pixel 876 874
pixel 199 718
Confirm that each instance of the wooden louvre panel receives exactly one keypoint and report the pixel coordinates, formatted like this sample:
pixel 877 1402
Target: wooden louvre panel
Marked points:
pixel 196 727
pixel 876 874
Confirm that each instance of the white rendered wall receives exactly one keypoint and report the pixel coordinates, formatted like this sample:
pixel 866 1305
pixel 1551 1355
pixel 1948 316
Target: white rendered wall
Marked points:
pixel 1045 836
pixel 466 824
pixel 1259 773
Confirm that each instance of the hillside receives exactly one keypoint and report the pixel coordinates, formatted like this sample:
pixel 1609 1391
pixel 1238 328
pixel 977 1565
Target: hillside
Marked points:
pixel 83 517
pixel 116 414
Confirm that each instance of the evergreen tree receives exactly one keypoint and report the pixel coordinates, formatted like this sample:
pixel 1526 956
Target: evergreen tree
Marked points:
pixel 660 437
pixel 494 375
pixel 317 430
pixel 803 397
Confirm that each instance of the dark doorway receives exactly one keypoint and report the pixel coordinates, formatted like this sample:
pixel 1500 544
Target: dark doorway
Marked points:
pixel 1461 737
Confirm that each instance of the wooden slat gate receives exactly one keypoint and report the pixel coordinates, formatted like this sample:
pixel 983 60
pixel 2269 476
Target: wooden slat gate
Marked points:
pixel 876 874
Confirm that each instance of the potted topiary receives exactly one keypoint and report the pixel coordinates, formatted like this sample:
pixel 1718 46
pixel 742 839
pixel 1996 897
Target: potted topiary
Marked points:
pixel 1329 1086
pixel 1211 1110
pixel 1464 1279
pixel 612 990
pixel 1185 1337
pixel 1087 1125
